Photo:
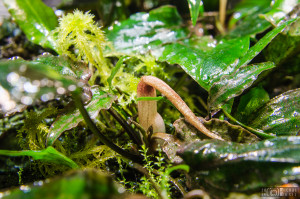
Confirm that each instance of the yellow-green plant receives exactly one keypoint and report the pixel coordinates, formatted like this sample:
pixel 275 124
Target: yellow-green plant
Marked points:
pixel 81 39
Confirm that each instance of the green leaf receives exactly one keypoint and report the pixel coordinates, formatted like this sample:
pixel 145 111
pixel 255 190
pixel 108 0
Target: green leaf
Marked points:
pixel 280 116
pixel 246 20
pixel 196 7
pixel 66 67
pixel 206 67
pixel 280 10
pixel 99 101
pixel 35 19
pixel 283 50
pixel 234 84
pixel 246 10
pixel 250 102
pixel 88 183
pixel 47 155
pixel 146 31
pixel 24 82
pixel 262 43
pixel 224 167
pixel 115 70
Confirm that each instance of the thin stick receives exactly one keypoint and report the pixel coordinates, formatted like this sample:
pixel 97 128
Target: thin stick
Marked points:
pixel 132 134
pixel 178 103
pixel 222 11
pixel 91 125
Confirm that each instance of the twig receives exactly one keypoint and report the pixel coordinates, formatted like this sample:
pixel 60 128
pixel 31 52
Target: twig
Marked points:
pixel 91 125
pixel 132 134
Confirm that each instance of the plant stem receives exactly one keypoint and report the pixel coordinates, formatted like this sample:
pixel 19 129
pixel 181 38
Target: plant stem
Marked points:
pixel 252 130
pixel 94 129
pixel 132 134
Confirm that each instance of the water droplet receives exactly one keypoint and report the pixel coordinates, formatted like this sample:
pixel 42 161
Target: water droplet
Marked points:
pixel 72 88
pixel 13 78
pixel 38 183
pixel 25 188
pixel 26 100
pixel 30 88
pixel 23 68
pixel 268 143
pixel 61 90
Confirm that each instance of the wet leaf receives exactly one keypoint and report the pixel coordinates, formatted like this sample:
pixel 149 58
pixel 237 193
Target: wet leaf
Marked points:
pixel 250 102
pixel 246 10
pixel 49 154
pixel 66 67
pixel 262 43
pixel 100 100
pixel 281 9
pixel 223 167
pixel 234 84
pixel 76 184
pixel 196 7
pixel 255 16
pixel 246 20
pixel 24 82
pixel 35 19
pixel 229 132
pixel 284 49
pixel 280 116
pixel 206 67
pixel 146 31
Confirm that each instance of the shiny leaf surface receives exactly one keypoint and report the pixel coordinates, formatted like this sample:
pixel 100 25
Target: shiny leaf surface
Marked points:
pixel 234 84
pixel 24 82
pixel 280 116
pixel 207 67
pixel 66 67
pixel 100 100
pixel 49 154
pixel 146 31
pixel 35 19
pixel 222 167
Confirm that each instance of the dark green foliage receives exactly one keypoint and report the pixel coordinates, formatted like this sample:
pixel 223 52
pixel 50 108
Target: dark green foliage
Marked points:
pixel 94 123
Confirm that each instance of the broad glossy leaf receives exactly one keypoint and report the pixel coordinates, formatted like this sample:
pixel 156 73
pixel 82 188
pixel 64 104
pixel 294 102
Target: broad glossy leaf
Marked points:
pixel 146 31
pixel 35 19
pixel 76 184
pixel 47 155
pixel 224 167
pixel 229 132
pixel 230 86
pixel 206 67
pixel 250 102
pixel 24 82
pixel 280 116
pixel 196 7
pixel 100 100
